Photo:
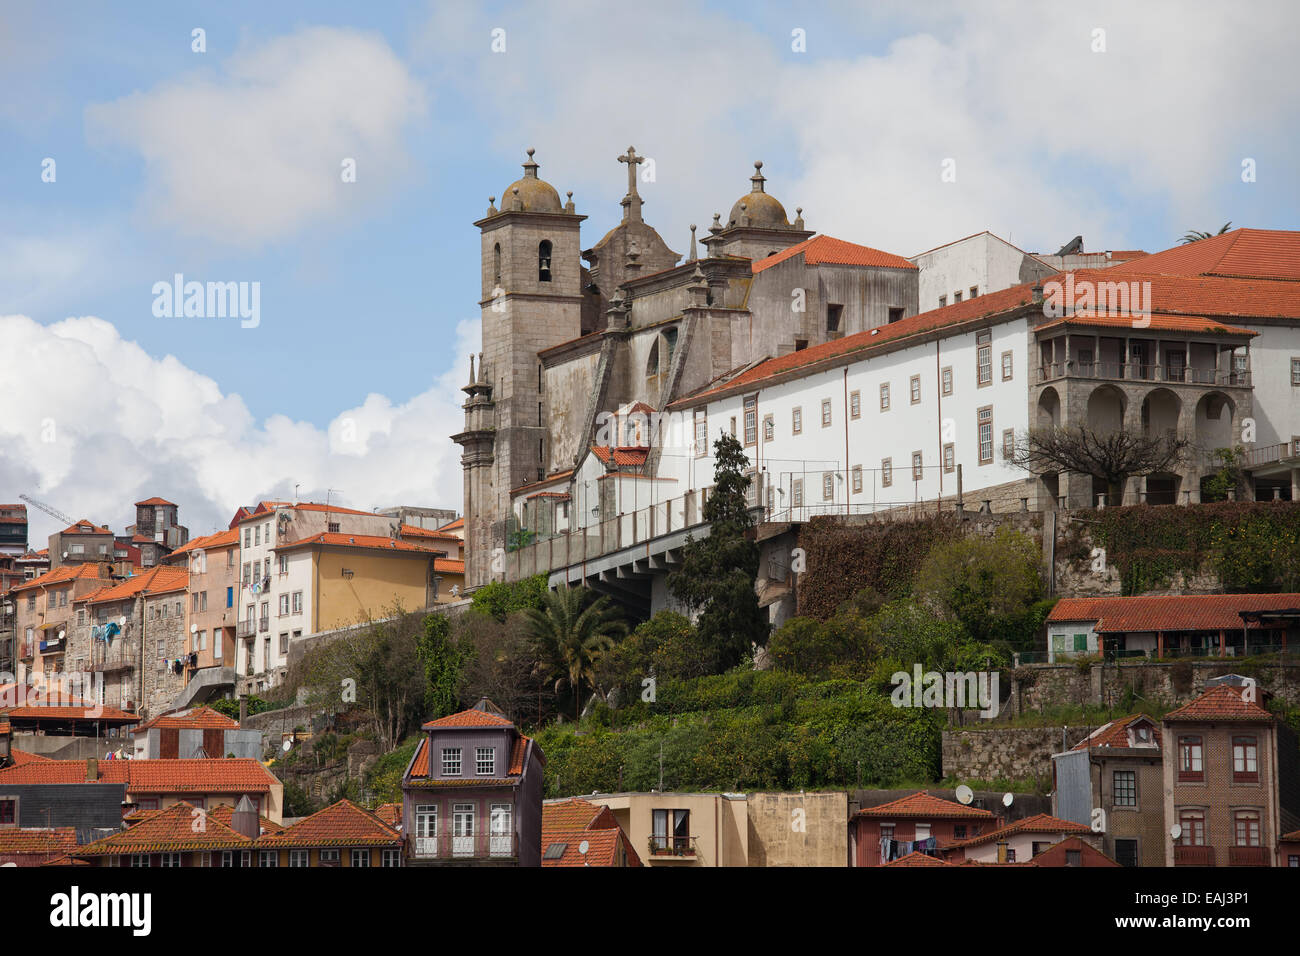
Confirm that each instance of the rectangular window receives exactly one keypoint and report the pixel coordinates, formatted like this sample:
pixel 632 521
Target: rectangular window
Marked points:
pixel 943 300
pixel 945 377
pixel 248 574
pixel 701 432
pixel 796 493
pixel 284 605
pixel 284 643
pixel 949 458
pixel 267 858
pixel 833 313
pixel 855 405
pixel 887 472
pixel 974 291
pixel 796 420
pixel 751 420
pixel 140 859
pixel 284 563
pixel 451 762
pixel 329 857
pixel 984 358
pixel 914 384
pixel 956 297
pixel 895 315
pixel 360 857
pixel 1006 366
pixel 1190 763
pixel 1008 443
pixel 1126 852
pixel 857 479
pixel 1125 789
pixel 826 412
pixel 769 428
pixel 230 597
pixel 297 602
pixel 884 396
pixel 918 467
pixel 1245 827
pixel 392 858
pixel 248 538
pixel 828 486
pixel 984 419
pixel 1081 643
pixel 1245 765
pixel 8 812
pixel 298 858
pixel 257 536
pixel 1295 372
pixel 485 761
pixel 733 425
pixel 203 641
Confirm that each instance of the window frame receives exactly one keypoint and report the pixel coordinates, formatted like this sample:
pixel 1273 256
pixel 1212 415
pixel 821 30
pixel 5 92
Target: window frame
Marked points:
pixel 750 412
pixel 451 757
pixel 1123 788
pixel 945 380
pixel 828 486
pixel 914 389
pixel 1249 747
pixel 949 458
pixel 1191 758
pixel 984 358
pixel 886 472
pixel 855 404
pixel 828 414
pixel 984 420
pixel 491 761
pixel 918 466
pixel 1008 361
pixel 884 396
pixel 796 420
pixel 857 480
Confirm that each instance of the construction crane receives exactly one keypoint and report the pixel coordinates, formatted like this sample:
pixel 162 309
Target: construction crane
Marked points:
pixel 53 512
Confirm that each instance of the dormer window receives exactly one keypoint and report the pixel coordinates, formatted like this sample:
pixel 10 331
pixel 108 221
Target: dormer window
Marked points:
pixel 451 761
pixel 544 261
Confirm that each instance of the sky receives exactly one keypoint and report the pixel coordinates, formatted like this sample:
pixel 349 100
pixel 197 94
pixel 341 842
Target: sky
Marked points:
pixel 334 157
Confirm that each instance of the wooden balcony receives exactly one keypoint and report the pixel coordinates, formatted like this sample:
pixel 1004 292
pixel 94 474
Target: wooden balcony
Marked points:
pixel 1193 856
pixel 1249 856
pixel 465 847
pixel 673 848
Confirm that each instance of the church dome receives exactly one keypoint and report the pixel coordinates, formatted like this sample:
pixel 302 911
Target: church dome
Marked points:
pixel 535 194
pixel 762 210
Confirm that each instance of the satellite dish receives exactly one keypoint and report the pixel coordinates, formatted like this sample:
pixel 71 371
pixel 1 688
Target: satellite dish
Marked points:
pixel 287 744
pixel 194 628
pixel 8 864
pixel 60 637
pixel 965 794
pixel 582 847
pixel 1176 830
pixel 122 621
pixel 1007 799
pixel 65 554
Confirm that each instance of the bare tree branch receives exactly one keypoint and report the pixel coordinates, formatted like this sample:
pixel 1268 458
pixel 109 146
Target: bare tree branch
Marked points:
pixel 1112 457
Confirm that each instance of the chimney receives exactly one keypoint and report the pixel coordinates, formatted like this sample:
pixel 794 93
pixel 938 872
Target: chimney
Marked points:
pixel 92 770
pixel 244 820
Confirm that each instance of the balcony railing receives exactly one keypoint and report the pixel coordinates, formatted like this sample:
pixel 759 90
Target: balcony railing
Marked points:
pixel 473 846
pixel 263 625
pixel 1193 856
pixel 679 847
pixel 1248 856
pixel 245 628
pixel 1139 372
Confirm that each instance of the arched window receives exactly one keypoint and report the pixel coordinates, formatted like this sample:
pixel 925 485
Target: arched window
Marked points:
pixel 544 261
pixel 496 265
pixel 652 361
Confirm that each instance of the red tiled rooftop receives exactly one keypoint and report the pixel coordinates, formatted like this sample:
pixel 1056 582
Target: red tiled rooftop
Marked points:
pixel 449 565
pixel 459 523
pixel 156 501
pixel 1191 612
pixel 201 776
pixel 916 858
pixel 179 828
pixel 1155 322
pixel 1038 823
pixel 221 539
pixel 340 824
pixel 196 718
pixel 924 804
pixel 469 718
pixel 1221 702
pixel 602 847
pixel 832 251
pixel 160 579
pixel 370 542
pixel 84 527
pixel 62 575
pixel 56 840
pixel 1244 253
pixel 631 455
pixel 572 814
pixel 224 812
pixel 390 814
pixel 1116 733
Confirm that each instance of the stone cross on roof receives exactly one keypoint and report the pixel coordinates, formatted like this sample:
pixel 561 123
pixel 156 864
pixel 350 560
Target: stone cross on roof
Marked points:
pixel 631 202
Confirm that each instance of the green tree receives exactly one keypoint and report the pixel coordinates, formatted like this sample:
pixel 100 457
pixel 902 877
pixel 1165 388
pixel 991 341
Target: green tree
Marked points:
pixel 444 666
pixel 981 582
pixel 667 646
pixel 570 633
pixel 718 572
pixel 501 599
pixel 845 646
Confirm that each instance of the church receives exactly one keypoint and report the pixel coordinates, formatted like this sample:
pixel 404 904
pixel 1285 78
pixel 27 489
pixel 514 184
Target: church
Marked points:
pixel 581 347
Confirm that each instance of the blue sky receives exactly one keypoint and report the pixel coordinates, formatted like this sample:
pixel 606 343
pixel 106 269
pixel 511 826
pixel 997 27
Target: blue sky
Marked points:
pixel 224 165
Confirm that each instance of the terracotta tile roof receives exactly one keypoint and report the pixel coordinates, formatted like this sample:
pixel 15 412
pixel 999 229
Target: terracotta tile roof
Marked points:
pixel 551 479
pixel 517 754
pixel 62 575
pixel 923 805
pixel 634 456
pixel 18 701
pixel 469 718
pixel 180 828
pixel 916 858
pixel 449 565
pixel 155 501
pixel 1116 733
pixel 22 840
pixel 370 542
pixel 832 251
pixel 390 814
pixel 1190 612
pixel 84 527
pixel 415 531
pixel 66 861
pixel 161 579
pixel 572 814
pixel 340 824
pixel 1155 322
pixel 163 776
pixel 424 783
pixel 221 539
pixel 1292 837
pixel 1126 254
pixel 1246 253
pixel 1056 855
pixel 420 762
pixel 602 847
pixel 1038 823
pixel 458 523
pixel 1221 702
pixel 196 718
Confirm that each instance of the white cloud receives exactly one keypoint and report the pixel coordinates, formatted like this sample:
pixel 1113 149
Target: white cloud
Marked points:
pixel 255 152
pixel 115 424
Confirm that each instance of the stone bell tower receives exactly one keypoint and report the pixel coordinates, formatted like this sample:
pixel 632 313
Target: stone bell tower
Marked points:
pixel 531 300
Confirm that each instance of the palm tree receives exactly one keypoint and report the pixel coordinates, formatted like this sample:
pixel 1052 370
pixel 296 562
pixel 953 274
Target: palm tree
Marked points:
pixel 1195 235
pixel 571 632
